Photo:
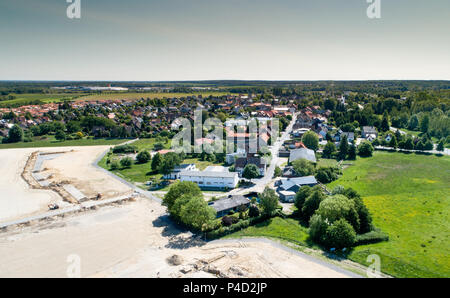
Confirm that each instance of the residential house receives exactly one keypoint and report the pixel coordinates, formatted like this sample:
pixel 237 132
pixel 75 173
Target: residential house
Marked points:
pixel 241 162
pixel 175 174
pixel 288 187
pixel 231 203
pixel 369 132
pixel 305 153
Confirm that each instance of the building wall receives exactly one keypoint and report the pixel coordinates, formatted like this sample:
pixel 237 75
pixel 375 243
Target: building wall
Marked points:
pixel 212 182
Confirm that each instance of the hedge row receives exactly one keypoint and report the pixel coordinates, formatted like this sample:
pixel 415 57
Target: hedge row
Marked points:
pixel 125 149
pixel 371 237
pixel 222 231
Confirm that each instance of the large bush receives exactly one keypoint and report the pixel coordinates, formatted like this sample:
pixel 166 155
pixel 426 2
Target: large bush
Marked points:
pixel 303 167
pixel 196 212
pixel 124 149
pixel 268 200
pixel 317 228
pixel 143 157
pixel 365 149
pixel 327 174
pixel 340 234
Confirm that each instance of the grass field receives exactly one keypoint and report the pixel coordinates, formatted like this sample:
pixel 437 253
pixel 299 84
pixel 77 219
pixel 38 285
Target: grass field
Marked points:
pixel 408 196
pixel 24 99
pixel 50 141
pixel 139 95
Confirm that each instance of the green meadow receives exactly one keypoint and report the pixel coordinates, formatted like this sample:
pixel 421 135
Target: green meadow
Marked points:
pixel 408 196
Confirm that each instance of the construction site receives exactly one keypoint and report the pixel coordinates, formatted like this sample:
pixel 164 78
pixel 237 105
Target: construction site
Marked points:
pixel 57 203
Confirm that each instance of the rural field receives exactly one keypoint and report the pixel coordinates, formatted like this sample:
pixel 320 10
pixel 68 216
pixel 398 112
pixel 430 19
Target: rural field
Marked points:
pixel 408 196
pixel 152 95
pixel 50 141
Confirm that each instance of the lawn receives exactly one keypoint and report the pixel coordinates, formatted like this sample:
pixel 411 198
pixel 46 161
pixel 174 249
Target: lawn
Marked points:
pixel 50 141
pixel 286 229
pixel 147 144
pixel 408 196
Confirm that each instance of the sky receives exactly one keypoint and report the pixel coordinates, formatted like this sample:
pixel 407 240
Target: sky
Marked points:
pixel 168 40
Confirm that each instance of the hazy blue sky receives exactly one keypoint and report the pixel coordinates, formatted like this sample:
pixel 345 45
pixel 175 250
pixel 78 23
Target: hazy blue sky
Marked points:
pixel 226 39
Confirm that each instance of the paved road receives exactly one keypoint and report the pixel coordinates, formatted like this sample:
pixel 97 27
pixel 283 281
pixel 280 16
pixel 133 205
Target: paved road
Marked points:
pixel 261 183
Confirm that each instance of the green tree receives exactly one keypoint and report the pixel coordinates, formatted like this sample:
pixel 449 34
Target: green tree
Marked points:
pixel 143 157
pixel 312 203
pixel 60 135
pixel 311 140
pixel 343 148
pixel 329 150
pixel 336 207
pixel 352 152
pixel 340 234
pixel 15 134
pixel 425 124
pixel 277 172
pixel 268 200
pixel 365 149
pixel 156 162
pixel 301 196
pixel 126 162
pixel 251 171
pixel 413 123
pixel 393 142
pixel 196 212
pixel 303 167
pixel 441 145
pixel 317 228
pixel 385 122
pixel 178 189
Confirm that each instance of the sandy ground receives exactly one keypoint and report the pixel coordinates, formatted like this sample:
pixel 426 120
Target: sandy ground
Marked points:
pixel 130 240
pixel 16 198
pixel 135 240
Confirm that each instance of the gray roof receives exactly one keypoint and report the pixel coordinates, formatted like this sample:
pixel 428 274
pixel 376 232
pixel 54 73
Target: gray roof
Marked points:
pixel 307 154
pixel 369 129
pixel 287 184
pixel 208 174
pixel 229 203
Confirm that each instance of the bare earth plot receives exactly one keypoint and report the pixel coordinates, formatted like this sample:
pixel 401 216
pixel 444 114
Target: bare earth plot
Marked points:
pixel 135 239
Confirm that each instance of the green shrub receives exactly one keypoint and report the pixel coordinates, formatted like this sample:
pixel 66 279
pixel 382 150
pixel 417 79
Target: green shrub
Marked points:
pixel 125 149
pixel 126 162
pixel 340 234
pixel 317 228
pixel 143 157
pixel 371 237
